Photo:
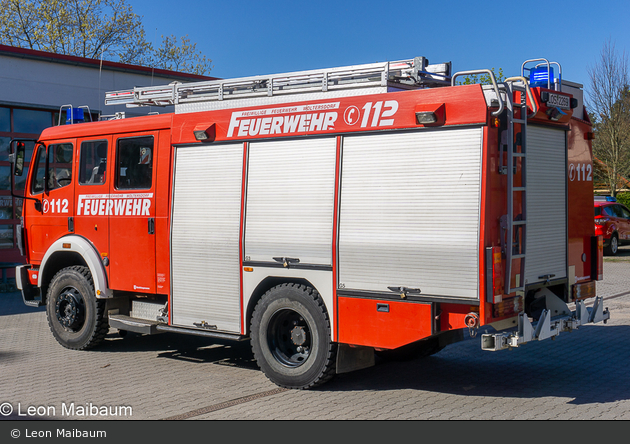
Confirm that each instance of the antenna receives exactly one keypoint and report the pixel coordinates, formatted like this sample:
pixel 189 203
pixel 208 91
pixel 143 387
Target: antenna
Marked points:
pixel 100 70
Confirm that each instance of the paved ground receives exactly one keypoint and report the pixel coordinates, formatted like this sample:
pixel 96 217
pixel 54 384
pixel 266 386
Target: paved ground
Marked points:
pixel 580 375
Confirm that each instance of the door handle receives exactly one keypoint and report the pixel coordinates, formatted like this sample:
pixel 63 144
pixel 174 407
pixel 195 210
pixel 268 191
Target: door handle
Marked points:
pixel 287 261
pixel 151 225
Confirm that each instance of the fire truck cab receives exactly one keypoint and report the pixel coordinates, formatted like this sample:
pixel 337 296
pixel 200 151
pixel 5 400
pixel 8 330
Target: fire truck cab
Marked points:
pixel 323 215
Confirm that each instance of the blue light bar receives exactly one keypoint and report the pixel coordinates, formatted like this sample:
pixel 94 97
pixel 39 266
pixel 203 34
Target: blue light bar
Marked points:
pixel 605 199
pixel 74 115
pixel 541 76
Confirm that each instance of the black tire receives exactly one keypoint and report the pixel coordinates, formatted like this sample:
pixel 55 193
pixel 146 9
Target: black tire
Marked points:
pixel 290 337
pixel 75 317
pixel 415 350
pixel 613 247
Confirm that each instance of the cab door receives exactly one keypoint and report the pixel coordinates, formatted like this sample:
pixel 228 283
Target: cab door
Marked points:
pixel 92 193
pixel 132 213
pixel 52 183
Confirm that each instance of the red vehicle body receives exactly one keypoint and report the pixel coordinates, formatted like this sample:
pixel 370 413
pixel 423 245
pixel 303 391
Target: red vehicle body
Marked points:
pixel 313 223
pixel 612 222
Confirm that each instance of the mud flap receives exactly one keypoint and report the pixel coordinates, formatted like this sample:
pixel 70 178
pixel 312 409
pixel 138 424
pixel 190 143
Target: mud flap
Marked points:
pixel 353 357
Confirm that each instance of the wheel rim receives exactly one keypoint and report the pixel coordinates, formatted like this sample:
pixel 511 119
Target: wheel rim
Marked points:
pixel 70 309
pixel 613 244
pixel 289 338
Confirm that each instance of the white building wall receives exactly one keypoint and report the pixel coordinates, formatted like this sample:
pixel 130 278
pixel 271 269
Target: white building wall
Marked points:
pixel 50 83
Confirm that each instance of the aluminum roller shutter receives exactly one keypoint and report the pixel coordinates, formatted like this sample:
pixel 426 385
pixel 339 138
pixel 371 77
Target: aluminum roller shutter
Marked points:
pixel 205 236
pixel 410 210
pixel 546 244
pixel 290 197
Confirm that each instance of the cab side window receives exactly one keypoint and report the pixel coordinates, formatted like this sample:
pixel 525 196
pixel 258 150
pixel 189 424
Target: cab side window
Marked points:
pixel 93 167
pixel 134 163
pixel 59 165
pixel 39 176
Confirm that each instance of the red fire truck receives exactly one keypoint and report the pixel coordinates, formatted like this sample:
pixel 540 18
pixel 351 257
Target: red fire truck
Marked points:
pixel 324 215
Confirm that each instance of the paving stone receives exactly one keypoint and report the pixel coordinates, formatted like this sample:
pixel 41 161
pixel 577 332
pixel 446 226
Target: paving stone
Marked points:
pixel 581 375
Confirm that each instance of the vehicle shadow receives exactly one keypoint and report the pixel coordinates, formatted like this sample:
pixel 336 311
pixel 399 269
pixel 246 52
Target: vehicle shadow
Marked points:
pixel 589 366
pixel 12 303
pixel 182 347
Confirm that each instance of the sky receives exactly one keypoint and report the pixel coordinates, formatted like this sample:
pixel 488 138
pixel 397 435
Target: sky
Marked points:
pixel 246 38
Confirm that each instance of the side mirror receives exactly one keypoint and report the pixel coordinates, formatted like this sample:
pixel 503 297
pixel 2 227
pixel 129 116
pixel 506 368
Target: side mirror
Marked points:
pixel 18 159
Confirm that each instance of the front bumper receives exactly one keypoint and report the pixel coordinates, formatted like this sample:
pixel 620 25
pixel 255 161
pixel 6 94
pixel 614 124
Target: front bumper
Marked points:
pixel 31 294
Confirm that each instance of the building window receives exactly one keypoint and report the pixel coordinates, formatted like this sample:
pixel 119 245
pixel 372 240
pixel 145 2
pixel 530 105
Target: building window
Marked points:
pixel 5 120
pixel 31 121
pixel 25 124
pixel 6 236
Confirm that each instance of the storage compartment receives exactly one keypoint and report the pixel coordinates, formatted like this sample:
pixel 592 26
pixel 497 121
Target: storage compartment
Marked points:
pixel 383 323
pixel 410 212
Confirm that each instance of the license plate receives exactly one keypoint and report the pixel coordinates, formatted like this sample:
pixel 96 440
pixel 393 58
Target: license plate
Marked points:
pixel 558 100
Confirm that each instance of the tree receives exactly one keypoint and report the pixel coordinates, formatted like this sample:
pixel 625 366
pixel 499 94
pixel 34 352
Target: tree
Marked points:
pixel 609 104
pixel 185 58
pixel 107 29
pixel 484 79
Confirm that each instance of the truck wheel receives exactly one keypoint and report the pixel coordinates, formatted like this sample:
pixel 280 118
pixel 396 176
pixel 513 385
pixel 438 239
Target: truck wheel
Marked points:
pixel 613 247
pixel 290 337
pixel 76 318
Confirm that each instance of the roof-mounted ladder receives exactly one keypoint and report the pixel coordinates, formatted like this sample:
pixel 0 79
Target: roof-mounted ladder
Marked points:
pixel 405 74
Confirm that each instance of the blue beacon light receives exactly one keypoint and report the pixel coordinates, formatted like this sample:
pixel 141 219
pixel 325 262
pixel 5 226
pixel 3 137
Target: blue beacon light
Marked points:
pixel 542 76
pixel 74 115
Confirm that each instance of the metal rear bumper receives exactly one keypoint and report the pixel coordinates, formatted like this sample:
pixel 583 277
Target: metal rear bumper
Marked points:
pixel 546 327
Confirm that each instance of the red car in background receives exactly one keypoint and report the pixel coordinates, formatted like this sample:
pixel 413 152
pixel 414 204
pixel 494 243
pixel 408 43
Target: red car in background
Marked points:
pixel 612 221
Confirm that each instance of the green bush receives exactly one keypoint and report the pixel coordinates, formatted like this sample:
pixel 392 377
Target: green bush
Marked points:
pixel 624 198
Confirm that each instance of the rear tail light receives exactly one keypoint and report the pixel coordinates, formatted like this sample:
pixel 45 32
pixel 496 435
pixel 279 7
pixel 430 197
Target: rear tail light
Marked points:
pixel 584 291
pixel 597 258
pixel 508 307
pixel 494 274
pixel 600 221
